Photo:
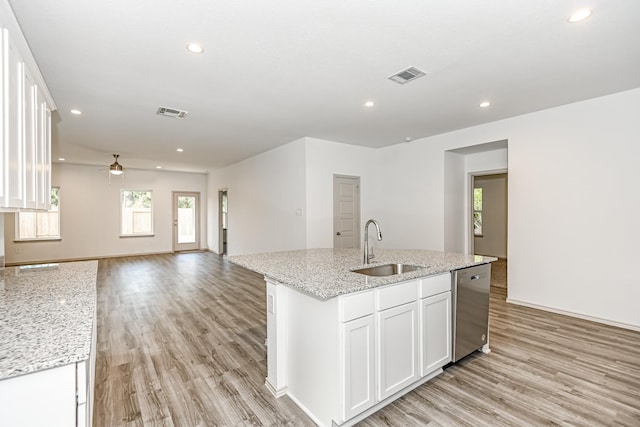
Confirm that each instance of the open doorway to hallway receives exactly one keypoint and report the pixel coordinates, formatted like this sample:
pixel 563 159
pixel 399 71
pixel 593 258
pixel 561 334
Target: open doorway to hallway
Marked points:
pixel 223 221
pixel 489 195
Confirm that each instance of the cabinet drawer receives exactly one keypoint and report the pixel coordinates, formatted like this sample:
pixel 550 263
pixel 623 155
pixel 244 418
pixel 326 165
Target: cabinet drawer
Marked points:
pixel 398 294
pixel 435 285
pixel 354 306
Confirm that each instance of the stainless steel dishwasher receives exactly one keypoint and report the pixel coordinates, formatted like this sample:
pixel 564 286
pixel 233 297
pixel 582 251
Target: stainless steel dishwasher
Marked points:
pixel 470 309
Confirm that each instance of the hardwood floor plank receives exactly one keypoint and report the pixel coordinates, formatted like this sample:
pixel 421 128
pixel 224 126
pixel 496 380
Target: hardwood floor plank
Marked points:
pixel 181 343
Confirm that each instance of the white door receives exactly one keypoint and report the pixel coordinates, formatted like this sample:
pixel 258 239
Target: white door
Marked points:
pixel 186 221
pixel 435 332
pixel 398 348
pixel 358 388
pixel 346 211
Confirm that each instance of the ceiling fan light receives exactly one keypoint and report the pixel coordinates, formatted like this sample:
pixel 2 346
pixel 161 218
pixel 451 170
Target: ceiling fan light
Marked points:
pixel 116 168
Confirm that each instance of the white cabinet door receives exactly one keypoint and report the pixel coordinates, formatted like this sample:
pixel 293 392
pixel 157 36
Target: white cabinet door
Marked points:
pixel 358 379
pixel 435 332
pixel 43 161
pixel 4 55
pixel 398 348
pixel 13 132
pixel 30 179
pixel 44 398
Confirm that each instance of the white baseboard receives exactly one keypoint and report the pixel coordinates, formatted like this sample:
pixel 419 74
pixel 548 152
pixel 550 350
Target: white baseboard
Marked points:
pixel 573 314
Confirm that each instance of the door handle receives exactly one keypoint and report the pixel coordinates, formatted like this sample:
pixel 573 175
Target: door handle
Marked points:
pixel 338 234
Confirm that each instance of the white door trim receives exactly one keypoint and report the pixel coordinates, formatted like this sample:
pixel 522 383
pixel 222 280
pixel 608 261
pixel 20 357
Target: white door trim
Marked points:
pixel 470 184
pixel 177 247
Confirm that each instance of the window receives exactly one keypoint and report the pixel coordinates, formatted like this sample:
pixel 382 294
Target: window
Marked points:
pixel 40 225
pixel 136 213
pixel 477 211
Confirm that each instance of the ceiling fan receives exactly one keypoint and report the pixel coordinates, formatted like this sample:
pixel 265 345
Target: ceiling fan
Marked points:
pixel 116 168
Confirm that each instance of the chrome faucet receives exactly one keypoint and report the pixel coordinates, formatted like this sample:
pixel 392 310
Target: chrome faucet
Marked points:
pixel 368 257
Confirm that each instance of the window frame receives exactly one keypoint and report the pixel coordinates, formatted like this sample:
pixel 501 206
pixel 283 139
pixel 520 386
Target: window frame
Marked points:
pixel 19 238
pixel 151 233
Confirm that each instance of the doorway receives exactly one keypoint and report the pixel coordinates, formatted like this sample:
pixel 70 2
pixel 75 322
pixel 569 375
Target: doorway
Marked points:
pixel 223 221
pixel 489 217
pixel 346 211
pixel 186 221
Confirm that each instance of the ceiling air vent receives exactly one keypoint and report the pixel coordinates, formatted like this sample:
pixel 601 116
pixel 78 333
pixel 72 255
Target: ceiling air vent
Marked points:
pixel 171 112
pixel 407 75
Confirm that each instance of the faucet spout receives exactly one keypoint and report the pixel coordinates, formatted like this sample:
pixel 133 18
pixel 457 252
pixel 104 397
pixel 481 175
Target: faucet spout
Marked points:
pixel 368 257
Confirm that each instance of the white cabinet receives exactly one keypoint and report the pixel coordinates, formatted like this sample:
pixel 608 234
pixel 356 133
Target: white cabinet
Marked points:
pixel 345 357
pixel 358 380
pixel 435 322
pixel 13 121
pixel 435 327
pixel 25 124
pixel 46 398
pixel 398 348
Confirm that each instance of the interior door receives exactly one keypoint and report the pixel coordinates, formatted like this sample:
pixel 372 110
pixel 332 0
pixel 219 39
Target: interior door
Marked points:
pixel 346 211
pixel 186 221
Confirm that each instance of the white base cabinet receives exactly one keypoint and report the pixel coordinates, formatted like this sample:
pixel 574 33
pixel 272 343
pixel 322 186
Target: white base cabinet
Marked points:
pixel 397 349
pixel 45 398
pixel 344 358
pixel 358 381
pixel 435 325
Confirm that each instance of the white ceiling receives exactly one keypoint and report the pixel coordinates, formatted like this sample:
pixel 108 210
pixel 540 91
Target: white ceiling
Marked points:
pixel 275 71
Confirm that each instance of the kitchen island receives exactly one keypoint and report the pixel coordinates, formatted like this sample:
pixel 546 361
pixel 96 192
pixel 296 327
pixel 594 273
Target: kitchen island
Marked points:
pixel 342 344
pixel 47 344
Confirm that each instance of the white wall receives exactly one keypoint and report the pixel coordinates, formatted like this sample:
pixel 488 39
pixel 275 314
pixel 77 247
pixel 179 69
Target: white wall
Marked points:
pixel 264 193
pixel 573 204
pixel 90 214
pixel 323 160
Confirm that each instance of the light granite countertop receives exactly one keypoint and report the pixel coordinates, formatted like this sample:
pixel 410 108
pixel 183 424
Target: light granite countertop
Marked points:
pixel 46 316
pixel 326 273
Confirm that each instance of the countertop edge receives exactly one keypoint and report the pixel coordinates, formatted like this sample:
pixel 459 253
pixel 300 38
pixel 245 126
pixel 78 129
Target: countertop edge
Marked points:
pixel 327 273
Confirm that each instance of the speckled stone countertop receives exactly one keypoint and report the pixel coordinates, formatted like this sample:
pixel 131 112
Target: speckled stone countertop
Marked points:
pixel 46 316
pixel 326 273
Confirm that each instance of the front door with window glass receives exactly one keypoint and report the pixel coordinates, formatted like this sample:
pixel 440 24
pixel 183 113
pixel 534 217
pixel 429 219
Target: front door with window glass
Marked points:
pixel 186 221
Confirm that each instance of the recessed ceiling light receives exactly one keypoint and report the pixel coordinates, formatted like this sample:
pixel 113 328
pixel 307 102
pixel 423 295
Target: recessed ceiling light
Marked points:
pixel 369 104
pixel 76 112
pixel 61 159
pixel 158 167
pixel 195 48
pixel 179 150
pixel 407 139
pixel 580 15
pixel 485 104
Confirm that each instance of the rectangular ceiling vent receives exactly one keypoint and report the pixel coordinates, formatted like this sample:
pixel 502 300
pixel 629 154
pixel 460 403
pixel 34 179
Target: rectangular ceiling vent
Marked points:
pixel 171 112
pixel 407 75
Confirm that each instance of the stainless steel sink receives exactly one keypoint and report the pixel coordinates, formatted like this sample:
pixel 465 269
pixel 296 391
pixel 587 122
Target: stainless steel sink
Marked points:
pixel 387 269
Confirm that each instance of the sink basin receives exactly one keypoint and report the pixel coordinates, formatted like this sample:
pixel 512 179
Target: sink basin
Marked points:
pixel 387 269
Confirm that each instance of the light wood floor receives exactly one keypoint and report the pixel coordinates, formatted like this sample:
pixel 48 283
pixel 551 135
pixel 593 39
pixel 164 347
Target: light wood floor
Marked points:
pixel 180 343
